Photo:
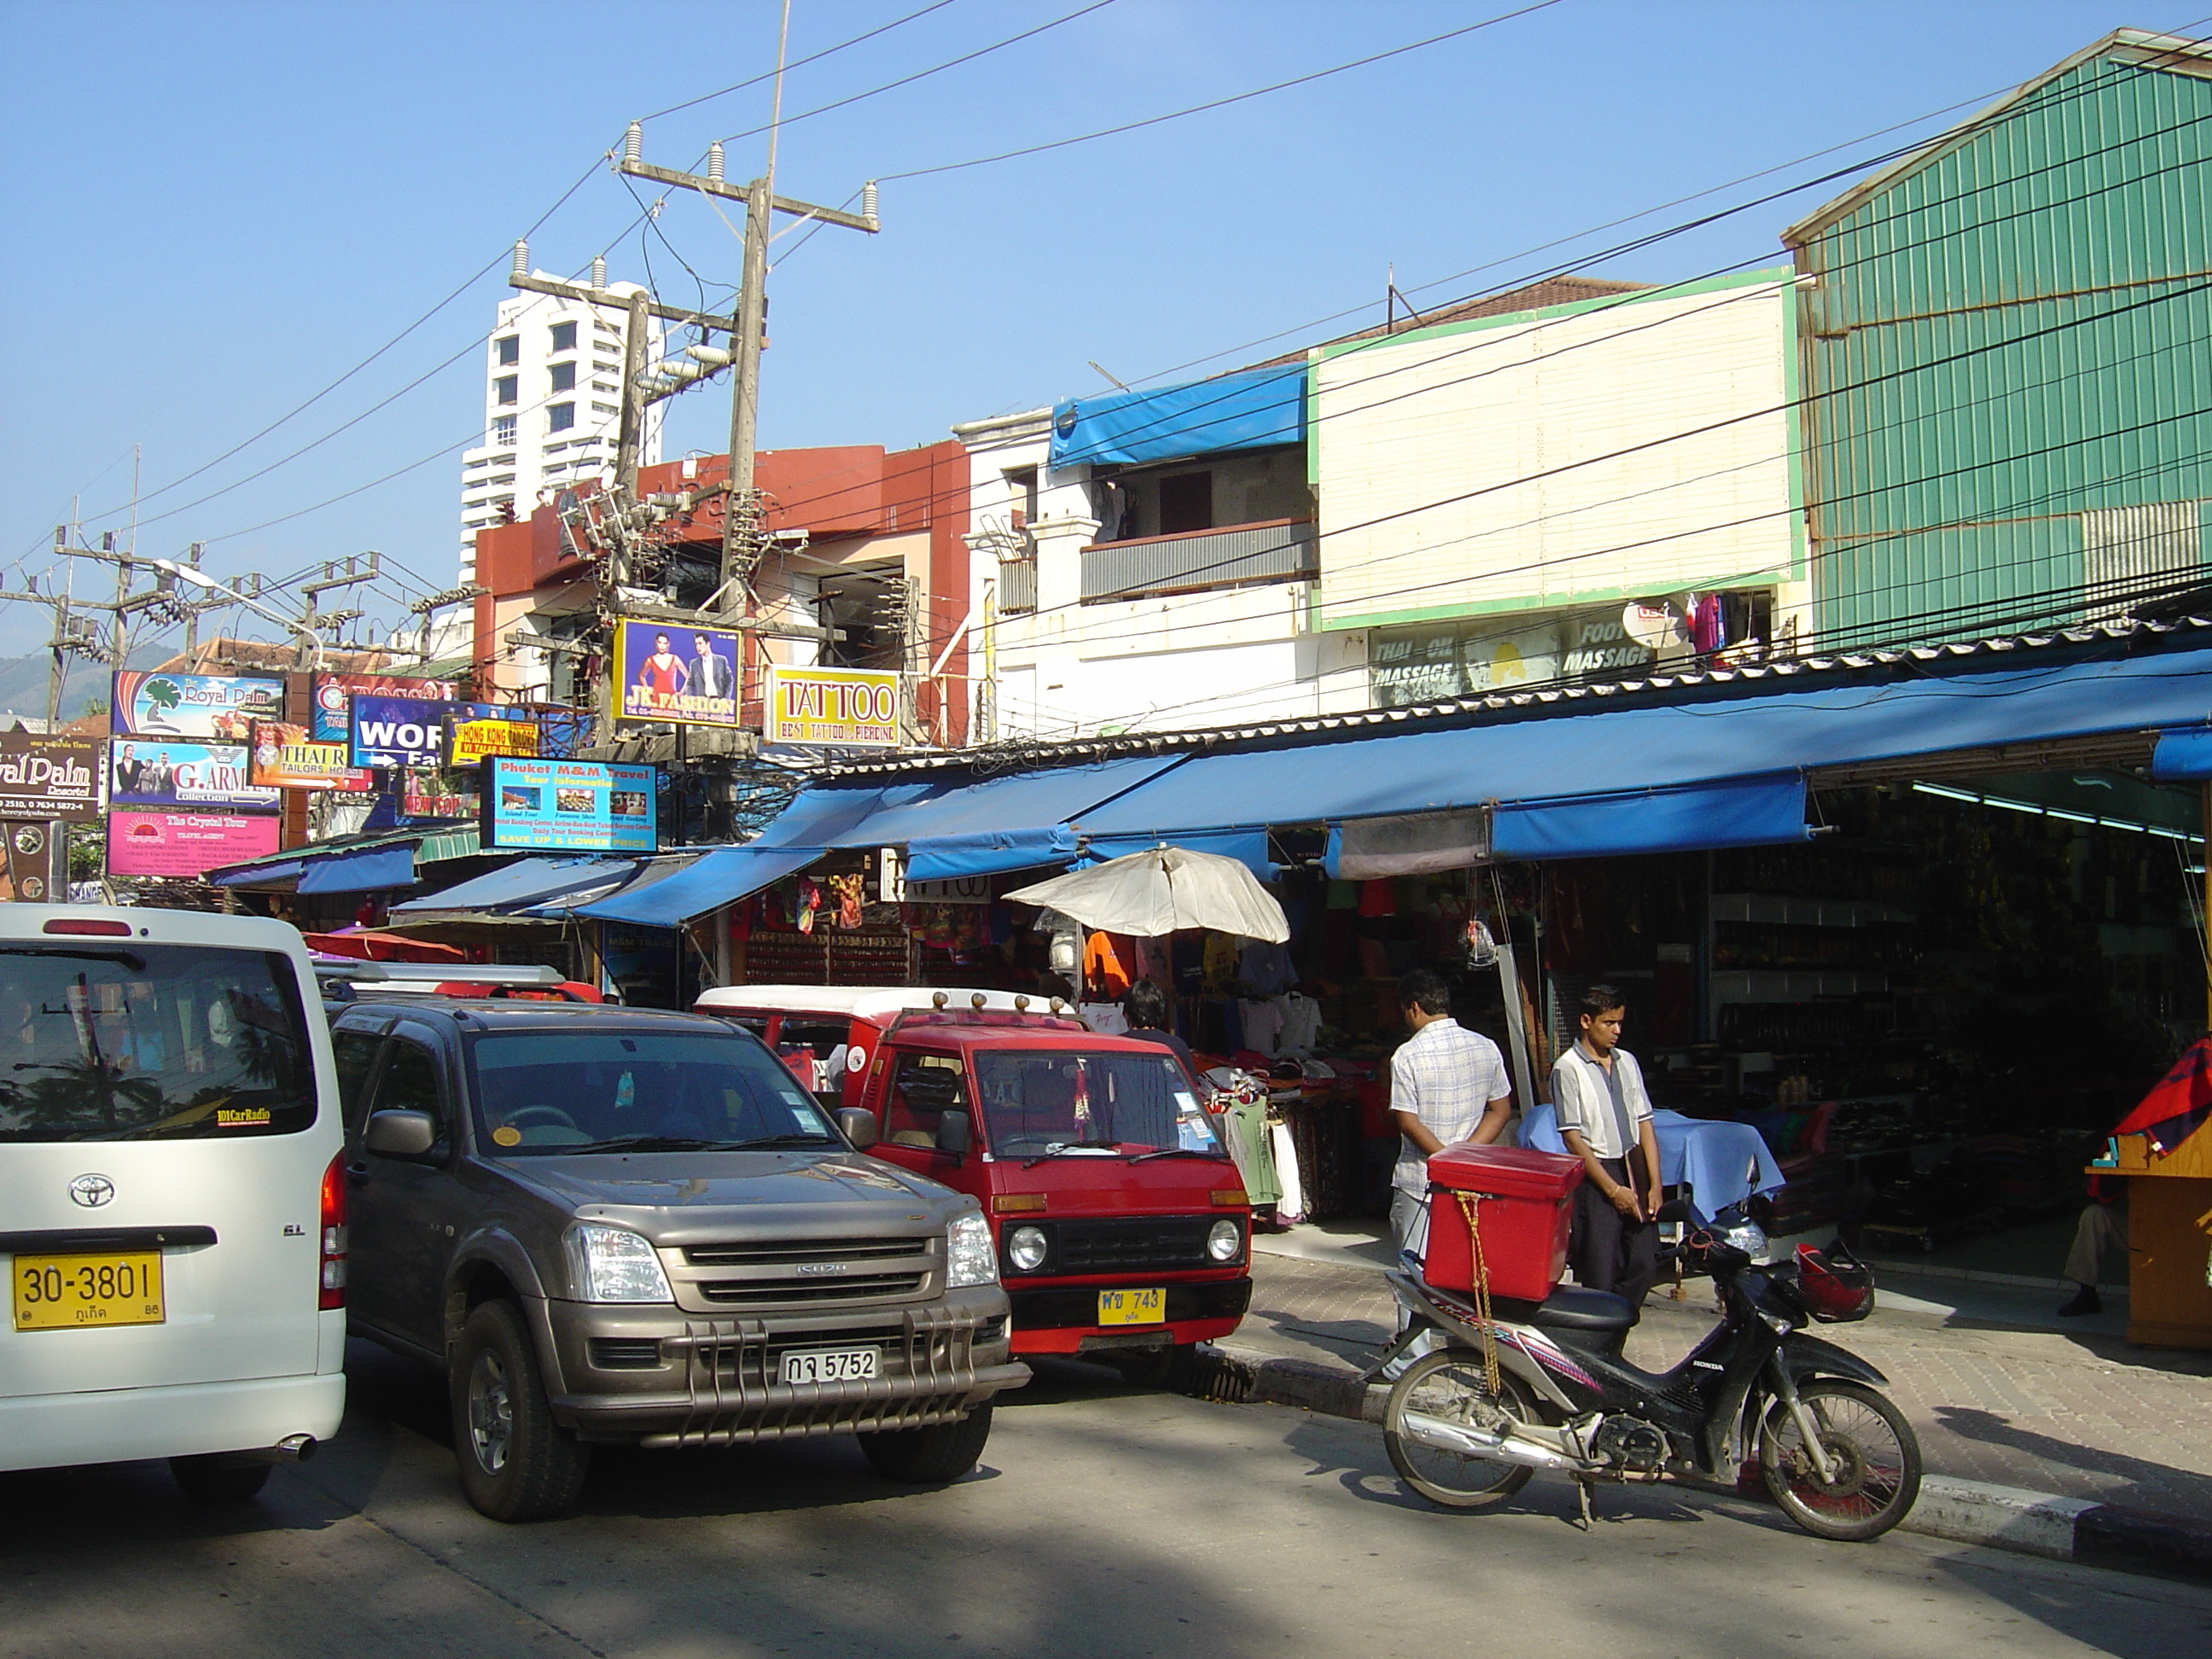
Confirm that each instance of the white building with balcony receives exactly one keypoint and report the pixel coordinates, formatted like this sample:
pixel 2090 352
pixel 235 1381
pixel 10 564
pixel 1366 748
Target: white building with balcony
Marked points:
pixel 1581 479
pixel 552 405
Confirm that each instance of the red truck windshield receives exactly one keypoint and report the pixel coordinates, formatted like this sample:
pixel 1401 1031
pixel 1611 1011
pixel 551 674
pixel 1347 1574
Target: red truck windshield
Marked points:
pixel 1038 1100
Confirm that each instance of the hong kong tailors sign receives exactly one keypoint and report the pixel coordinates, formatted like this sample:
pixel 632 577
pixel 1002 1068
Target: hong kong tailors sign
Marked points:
pixel 843 707
pixel 44 777
pixel 672 674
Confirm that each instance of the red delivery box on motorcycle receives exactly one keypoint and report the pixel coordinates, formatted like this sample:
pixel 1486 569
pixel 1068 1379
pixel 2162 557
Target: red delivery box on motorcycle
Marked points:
pixel 1522 1202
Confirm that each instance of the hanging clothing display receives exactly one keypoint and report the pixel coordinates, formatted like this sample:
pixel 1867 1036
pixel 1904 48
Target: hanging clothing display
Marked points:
pixel 1290 1207
pixel 1244 1126
pixel 1262 1024
pixel 1301 1025
pixel 1107 961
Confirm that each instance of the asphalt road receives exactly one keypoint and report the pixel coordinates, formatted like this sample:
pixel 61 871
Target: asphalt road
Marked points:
pixel 1103 1522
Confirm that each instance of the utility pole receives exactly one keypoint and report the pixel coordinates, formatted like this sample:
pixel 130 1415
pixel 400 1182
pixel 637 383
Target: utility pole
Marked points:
pixel 312 620
pixel 743 521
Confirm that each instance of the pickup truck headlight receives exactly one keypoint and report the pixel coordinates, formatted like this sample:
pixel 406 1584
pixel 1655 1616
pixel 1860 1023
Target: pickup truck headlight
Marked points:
pixel 969 1258
pixel 613 1264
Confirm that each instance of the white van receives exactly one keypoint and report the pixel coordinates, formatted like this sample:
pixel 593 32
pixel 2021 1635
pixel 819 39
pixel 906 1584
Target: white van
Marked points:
pixel 172 1200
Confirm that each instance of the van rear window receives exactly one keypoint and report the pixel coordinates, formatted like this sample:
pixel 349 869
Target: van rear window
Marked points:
pixel 151 1042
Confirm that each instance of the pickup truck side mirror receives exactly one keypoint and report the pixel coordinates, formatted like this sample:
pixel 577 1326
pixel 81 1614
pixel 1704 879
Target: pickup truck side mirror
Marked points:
pixel 955 1132
pixel 400 1134
pixel 859 1124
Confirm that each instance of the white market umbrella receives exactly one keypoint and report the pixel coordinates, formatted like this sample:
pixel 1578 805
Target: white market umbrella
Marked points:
pixel 1160 891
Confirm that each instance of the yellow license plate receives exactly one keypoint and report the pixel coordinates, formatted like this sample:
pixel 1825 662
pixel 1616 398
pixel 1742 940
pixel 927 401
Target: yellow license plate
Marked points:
pixel 1133 1307
pixel 68 1293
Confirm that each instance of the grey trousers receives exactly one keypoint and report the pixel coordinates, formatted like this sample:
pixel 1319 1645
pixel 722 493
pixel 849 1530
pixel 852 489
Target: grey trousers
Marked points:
pixel 2103 1228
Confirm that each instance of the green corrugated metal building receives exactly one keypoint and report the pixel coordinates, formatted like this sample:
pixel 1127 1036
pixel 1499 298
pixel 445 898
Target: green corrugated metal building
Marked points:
pixel 2007 344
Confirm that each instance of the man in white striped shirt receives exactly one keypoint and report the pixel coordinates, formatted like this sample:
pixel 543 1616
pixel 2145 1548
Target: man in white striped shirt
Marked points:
pixel 1447 1084
pixel 1605 1118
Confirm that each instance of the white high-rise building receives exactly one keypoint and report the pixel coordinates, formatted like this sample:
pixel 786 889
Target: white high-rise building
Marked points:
pixel 552 405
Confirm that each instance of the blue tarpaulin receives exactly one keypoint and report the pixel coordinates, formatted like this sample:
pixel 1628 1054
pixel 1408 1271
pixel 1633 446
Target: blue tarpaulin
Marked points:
pixel 256 874
pixel 1248 847
pixel 820 817
pixel 525 882
pixel 720 877
pixel 1251 410
pixel 2183 756
pixel 364 870
pixel 1754 812
pixel 1608 752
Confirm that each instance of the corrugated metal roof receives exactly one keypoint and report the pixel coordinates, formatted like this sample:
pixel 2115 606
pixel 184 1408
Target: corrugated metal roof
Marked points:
pixel 1802 673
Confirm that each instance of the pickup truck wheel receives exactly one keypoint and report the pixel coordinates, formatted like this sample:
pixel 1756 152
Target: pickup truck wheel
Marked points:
pixel 517 1463
pixel 930 1456
pixel 218 1479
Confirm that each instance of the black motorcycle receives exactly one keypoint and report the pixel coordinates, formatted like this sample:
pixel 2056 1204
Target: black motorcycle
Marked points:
pixel 1485 1396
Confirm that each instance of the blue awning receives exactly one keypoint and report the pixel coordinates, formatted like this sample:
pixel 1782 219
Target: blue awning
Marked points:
pixel 1248 847
pixel 2183 756
pixel 823 816
pixel 1755 812
pixel 525 882
pixel 1551 760
pixel 1013 822
pixel 366 870
pixel 1252 410
pixel 720 877
pixel 255 874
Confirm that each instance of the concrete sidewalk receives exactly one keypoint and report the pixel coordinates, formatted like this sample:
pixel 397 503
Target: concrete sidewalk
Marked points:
pixel 2072 1411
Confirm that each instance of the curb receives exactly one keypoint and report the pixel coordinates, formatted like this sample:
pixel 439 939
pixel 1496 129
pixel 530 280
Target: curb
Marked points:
pixel 1965 1512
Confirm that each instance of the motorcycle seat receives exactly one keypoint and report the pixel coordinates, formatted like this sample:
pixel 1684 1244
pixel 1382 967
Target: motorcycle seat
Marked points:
pixel 1570 1308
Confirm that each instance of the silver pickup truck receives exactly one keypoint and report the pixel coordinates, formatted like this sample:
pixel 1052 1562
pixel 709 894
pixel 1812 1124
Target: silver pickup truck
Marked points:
pixel 619 1226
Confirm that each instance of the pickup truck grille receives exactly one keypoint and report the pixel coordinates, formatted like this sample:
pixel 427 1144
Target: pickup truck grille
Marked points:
pixel 858 1287
pixel 1111 1243
pixel 795 1274
pixel 786 1252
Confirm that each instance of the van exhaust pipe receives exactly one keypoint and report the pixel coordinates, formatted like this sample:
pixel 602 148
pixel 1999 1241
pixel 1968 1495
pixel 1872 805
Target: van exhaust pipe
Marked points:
pixel 296 1448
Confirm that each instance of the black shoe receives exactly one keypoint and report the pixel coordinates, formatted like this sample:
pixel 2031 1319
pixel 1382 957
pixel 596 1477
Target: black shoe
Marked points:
pixel 2085 1301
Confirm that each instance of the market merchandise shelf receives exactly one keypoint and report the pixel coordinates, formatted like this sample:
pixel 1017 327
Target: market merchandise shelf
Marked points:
pixel 1805 912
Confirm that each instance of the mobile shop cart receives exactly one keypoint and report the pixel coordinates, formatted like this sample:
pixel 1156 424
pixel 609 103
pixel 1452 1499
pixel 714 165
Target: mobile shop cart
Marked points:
pixel 1122 1226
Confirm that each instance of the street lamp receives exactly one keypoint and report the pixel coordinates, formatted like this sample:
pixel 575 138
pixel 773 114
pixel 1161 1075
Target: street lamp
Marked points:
pixel 201 579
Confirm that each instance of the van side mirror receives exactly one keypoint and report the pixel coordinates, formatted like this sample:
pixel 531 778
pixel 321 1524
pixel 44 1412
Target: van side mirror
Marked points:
pixel 955 1132
pixel 859 1124
pixel 400 1134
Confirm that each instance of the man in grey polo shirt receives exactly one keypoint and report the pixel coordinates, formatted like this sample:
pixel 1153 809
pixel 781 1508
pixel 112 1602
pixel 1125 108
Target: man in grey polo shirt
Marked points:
pixel 1605 1118
pixel 1447 1084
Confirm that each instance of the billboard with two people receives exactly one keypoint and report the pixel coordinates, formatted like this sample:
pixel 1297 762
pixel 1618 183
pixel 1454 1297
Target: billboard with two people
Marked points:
pixel 676 675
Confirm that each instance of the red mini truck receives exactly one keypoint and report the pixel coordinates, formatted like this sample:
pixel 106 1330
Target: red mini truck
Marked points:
pixel 1122 1225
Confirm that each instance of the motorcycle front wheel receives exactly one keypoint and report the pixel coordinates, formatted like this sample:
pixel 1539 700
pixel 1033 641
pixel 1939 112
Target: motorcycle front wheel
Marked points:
pixel 1874 1456
pixel 1449 1384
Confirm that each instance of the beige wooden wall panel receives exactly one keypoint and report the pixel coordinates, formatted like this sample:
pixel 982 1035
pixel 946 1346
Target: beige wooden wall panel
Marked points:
pixel 1492 410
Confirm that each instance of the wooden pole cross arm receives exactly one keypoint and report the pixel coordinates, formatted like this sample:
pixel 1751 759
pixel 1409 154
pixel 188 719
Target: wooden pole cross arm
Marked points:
pixel 601 297
pixel 735 192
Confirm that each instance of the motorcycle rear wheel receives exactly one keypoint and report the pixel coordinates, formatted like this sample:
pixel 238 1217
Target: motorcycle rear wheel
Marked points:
pixel 1876 1454
pixel 1448 1384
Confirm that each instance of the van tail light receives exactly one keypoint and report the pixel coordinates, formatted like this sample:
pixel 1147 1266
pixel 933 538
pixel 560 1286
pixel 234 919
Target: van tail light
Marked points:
pixel 330 1287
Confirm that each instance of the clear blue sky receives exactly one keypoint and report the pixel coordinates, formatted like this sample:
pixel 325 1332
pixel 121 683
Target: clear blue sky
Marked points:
pixel 211 210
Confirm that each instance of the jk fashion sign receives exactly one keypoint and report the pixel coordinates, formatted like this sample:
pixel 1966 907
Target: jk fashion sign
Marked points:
pixel 849 707
pixel 162 705
pixel 49 777
pixel 578 807
pixel 688 676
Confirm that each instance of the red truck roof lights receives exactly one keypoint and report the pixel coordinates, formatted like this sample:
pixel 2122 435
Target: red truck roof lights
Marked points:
pixel 989 1017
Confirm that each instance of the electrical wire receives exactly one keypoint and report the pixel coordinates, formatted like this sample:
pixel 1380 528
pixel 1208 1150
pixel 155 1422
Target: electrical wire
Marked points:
pixel 935 69
pixel 709 97
pixel 1223 103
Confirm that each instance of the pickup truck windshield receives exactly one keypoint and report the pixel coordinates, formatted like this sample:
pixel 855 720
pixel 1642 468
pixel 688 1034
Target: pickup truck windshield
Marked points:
pixel 542 1091
pixel 1035 1101
pixel 151 1042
